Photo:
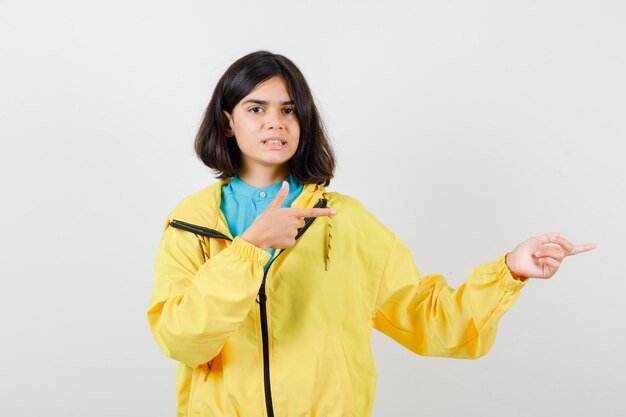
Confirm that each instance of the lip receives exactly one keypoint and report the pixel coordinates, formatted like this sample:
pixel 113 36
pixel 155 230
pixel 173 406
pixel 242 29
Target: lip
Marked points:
pixel 273 145
pixel 274 138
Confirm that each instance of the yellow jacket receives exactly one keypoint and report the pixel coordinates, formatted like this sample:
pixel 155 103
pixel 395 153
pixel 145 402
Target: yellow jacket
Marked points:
pixel 296 342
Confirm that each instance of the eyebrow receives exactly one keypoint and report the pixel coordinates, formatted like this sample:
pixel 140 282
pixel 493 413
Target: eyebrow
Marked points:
pixel 265 102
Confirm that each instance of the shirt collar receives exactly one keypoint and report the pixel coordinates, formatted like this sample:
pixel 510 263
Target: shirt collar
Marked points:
pixel 243 188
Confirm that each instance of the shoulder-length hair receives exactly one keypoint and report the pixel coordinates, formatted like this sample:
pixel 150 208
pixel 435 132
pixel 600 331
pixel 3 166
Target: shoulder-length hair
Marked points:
pixel 313 161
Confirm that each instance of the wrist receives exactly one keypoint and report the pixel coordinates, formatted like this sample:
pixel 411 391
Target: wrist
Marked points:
pixel 513 274
pixel 250 238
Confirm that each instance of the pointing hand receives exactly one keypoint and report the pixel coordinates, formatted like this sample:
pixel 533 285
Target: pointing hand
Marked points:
pixel 533 259
pixel 277 227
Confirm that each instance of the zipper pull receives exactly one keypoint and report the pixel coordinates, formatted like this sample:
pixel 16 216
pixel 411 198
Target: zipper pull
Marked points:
pixel 208 371
pixel 261 297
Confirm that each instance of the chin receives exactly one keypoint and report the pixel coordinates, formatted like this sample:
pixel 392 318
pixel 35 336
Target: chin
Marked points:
pixel 270 160
pixel 277 161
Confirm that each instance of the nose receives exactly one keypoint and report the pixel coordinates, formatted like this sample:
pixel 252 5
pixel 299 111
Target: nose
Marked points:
pixel 273 119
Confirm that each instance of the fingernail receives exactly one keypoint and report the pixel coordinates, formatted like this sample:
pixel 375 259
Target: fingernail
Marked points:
pixel 553 238
pixel 333 212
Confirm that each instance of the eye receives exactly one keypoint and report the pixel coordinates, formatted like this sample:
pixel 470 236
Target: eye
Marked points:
pixel 256 109
pixel 290 111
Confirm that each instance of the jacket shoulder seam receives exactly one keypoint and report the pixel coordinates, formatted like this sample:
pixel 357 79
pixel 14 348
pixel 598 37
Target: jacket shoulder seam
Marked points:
pixel 380 278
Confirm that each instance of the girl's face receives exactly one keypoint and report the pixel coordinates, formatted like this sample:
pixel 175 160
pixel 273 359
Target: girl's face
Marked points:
pixel 265 126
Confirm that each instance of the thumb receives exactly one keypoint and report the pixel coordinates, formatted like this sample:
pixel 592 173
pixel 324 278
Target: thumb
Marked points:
pixel 280 196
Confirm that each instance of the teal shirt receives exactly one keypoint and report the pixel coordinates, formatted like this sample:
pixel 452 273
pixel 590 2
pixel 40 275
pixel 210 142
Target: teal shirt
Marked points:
pixel 241 203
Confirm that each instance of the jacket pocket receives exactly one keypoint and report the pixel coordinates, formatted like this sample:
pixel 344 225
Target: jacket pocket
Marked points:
pixel 332 393
pixel 206 399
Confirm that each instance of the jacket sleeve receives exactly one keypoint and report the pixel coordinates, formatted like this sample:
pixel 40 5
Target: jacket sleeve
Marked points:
pixel 196 306
pixel 430 318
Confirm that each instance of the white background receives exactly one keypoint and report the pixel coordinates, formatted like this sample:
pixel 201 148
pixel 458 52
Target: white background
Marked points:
pixel 465 126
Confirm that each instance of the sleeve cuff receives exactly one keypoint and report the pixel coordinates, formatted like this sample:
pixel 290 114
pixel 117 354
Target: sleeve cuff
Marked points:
pixel 248 252
pixel 505 276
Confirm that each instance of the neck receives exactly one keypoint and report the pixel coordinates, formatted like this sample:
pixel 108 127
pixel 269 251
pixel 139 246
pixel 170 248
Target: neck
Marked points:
pixel 261 176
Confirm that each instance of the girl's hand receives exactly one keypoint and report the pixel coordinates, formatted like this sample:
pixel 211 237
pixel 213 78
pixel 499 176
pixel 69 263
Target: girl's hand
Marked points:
pixel 532 259
pixel 277 227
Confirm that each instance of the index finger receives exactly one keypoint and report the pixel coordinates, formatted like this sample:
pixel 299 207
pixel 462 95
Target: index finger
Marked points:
pixel 313 212
pixel 583 248
pixel 569 247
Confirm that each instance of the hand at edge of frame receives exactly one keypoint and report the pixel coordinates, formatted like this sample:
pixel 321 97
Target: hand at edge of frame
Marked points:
pixel 533 258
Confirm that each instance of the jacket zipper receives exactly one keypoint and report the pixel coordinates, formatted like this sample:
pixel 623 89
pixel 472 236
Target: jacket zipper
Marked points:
pixel 262 297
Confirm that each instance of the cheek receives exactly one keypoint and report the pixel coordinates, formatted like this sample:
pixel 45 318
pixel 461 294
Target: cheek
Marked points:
pixel 244 125
pixel 296 131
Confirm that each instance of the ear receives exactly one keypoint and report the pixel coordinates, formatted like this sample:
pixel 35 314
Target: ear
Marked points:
pixel 229 129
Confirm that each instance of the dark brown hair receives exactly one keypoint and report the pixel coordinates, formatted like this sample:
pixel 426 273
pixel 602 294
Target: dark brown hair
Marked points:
pixel 314 160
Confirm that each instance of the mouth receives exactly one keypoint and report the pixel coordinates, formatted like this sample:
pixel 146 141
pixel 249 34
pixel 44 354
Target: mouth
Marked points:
pixel 275 143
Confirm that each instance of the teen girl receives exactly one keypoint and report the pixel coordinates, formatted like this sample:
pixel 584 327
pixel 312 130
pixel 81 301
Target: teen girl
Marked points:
pixel 267 286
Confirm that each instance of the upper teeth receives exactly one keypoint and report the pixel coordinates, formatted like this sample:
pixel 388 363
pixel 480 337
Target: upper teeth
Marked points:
pixel 274 141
